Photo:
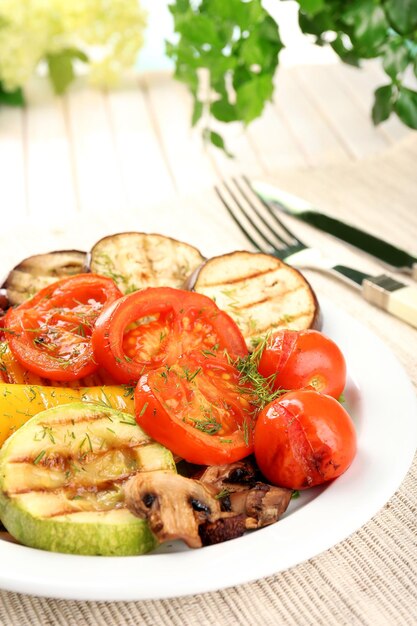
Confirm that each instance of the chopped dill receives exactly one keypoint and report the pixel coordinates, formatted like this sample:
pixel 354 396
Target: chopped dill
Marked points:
pixel 191 375
pixel 222 494
pixel 260 388
pixel 129 390
pixel 39 457
pixel 143 409
pixel 128 420
pixel 208 424
pixel 89 442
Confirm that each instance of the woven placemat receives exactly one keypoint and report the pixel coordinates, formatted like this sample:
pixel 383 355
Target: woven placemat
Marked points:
pixel 369 578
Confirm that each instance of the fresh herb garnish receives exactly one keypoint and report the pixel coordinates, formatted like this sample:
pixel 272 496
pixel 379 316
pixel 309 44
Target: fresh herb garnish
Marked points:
pixel 208 424
pixel 222 494
pixel 252 382
pixel 39 457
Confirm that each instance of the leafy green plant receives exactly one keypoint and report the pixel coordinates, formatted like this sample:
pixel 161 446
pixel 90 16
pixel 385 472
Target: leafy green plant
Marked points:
pixel 11 98
pixel 227 53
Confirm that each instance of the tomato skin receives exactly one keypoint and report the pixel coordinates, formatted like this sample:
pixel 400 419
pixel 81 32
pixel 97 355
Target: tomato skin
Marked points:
pixel 304 358
pixel 185 321
pixel 171 409
pixel 304 439
pixel 50 334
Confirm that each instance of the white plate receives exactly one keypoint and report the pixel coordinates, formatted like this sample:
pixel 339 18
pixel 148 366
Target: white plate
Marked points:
pixel 383 404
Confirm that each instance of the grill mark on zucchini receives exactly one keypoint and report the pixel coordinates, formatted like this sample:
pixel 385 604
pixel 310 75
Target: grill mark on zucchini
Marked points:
pixel 77 489
pixel 60 460
pixel 94 418
pixel 73 511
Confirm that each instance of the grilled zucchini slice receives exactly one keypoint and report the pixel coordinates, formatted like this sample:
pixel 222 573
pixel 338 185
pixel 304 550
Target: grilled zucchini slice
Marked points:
pixel 260 292
pixel 139 260
pixel 62 477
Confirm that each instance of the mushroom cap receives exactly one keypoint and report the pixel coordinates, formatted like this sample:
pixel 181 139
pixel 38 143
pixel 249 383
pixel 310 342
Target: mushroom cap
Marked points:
pixel 173 505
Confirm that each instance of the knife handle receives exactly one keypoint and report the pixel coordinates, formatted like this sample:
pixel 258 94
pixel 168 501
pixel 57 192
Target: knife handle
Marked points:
pixel 394 297
pixel 414 271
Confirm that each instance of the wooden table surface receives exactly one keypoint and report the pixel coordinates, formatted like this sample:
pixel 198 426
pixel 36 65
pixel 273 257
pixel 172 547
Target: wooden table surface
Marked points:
pixel 92 152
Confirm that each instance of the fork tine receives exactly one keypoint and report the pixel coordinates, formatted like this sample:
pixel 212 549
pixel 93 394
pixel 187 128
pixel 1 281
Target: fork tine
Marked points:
pixel 272 213
pixel 264 237
pixel 236 220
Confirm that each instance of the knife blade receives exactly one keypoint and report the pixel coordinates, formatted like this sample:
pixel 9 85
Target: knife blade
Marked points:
pixel 394 257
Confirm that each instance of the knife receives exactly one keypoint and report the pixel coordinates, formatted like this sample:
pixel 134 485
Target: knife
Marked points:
pixel 392 256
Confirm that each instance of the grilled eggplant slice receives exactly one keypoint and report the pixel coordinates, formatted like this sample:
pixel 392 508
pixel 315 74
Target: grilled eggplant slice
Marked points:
pixel 260 292
pixel 139 260
pixel 38 271
pixel 62 476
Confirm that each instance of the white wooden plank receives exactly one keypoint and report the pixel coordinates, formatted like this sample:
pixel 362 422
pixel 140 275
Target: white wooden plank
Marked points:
pixel 361 84
pixel 318 140
pixel 347 119
pixel 50 182
pixel 274 141
pixel 146 177
pixel 12 165
pixel 245 159
pixel 170 109
pixel 96 167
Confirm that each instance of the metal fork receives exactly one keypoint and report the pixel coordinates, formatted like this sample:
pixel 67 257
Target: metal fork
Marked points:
pixel 267 233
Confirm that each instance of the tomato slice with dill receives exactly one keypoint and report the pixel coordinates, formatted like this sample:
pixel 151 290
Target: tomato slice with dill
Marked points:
pixel 199 409
pixel 50 334
pixel 157 326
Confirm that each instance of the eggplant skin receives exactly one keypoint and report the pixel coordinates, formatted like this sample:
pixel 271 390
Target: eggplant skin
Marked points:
pixel 260 292
pixel 138 260
pixel 36 272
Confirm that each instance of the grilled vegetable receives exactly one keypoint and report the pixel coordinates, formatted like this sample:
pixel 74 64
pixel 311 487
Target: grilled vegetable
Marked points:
pixel 173 505
pixel 138 260
pixel 18 403
pixel 62 476
pixel 260 292
pixel 11 371
pixel 50 334
pixel 36 272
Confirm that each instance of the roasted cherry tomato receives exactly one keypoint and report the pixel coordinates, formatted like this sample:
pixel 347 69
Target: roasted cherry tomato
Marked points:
pixel 297 359
pixel 50 334
pixel 303 439
pixel 199 409
pixel 158 325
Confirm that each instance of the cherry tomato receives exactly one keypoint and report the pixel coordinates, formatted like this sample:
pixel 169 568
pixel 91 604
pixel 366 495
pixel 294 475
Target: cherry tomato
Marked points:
pixel 304 358
pixel 303 439
pixel 197 408
pixel 158 325
pixel 50 334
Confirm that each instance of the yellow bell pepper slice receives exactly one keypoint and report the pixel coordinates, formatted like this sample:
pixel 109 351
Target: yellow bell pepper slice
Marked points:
pixel 18 403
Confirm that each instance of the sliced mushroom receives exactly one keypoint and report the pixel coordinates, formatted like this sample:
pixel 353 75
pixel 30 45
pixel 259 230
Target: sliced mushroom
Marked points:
pixel 239 491
pixel 229 526
pixel 262 504
pixel 231 477
pixel 173 505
